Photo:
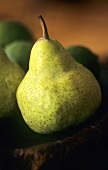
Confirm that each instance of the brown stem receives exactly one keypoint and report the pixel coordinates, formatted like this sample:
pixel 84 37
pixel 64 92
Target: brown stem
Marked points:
pixel 44 27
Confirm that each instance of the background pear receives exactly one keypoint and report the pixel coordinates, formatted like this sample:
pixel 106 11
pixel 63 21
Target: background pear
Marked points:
pixel 57 92
pixel 10 77
pixel 86 57
pixel 13 30
pixel 19 52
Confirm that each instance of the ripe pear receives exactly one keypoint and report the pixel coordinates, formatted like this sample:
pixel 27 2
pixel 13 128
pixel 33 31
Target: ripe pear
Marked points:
pixel 57 92
pixel 10 77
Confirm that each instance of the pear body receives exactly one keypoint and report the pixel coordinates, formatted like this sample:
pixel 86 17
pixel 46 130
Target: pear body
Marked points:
pixel 10 77
pixel 56 92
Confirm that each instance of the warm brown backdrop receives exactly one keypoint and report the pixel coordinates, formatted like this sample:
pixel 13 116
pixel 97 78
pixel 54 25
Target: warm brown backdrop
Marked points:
pixel 79 22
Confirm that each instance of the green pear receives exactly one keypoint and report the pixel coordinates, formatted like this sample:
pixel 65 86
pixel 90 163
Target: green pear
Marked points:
pixel 57 92
pixel 10 77
pixel 13 30
pixel 86 57
pixel 19 52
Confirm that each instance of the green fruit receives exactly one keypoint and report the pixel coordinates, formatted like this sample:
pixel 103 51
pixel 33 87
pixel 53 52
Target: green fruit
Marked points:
pixel 10 77
pixel 85 57
pixel 13 30
pixel 57 92
pixel 19 52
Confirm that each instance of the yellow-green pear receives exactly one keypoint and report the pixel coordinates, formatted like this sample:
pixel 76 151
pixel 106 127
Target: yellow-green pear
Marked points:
pixel 57 92
pixel 10 77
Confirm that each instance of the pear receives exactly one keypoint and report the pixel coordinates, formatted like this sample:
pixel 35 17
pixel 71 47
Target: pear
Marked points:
pixel 57 92
pixel 13 30
pixel 19 52
pixel 10 77
pixel 86 57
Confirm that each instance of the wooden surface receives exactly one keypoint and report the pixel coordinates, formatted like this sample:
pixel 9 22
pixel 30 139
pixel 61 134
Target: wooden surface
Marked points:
pixel 78 22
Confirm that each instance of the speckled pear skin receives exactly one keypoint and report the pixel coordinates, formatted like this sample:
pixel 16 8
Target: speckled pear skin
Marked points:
pixel 57 92
pixel 10 77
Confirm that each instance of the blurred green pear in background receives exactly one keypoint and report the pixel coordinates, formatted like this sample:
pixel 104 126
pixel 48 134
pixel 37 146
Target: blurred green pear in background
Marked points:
pixel 13 30
pixel 86 57
pixel 19 51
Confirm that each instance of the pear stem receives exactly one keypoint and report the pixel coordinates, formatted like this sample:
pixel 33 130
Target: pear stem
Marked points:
pixel 44 27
